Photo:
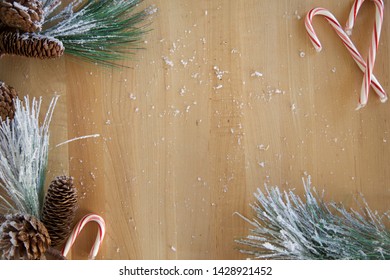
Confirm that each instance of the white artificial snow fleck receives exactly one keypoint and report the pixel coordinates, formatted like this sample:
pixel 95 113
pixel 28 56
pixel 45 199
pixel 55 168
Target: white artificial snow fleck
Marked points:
pixel 219 73
pixel 334 70
pixel 173 49
pixel 184 62
pixel 167 61
pixel 293 107
pixel 173 248
pixel 183 90
pixel 194 75
pixel 262 147
pixel 108 122
pixel 278 91
pixel 302 54
pixel 176 112
pixel 261 164
pixel 206 13
pixel 297 15
pixel 203 40
pixel 218 87
pixel 257 74
pixel 132 96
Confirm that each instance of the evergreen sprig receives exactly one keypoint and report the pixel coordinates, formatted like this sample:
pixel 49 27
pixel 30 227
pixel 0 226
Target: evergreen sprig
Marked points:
pixel 103 32
pixel 286 227
pixel 23 157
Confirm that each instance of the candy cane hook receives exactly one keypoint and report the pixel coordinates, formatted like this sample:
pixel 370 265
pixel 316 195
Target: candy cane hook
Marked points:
pixel 352 16
pixel 346 41
pixel 77 229
pixel 376 33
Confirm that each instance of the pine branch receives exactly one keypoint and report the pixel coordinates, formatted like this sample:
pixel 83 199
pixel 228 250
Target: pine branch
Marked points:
pixel 23 157
pixel 97 31
pixel 285 227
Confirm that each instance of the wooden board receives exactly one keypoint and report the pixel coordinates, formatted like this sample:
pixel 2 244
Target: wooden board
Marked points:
pixel 189 131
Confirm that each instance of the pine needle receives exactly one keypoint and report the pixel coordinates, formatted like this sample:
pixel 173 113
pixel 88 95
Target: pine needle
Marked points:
pixel 97 31
pixel 23 157
pixel 285 227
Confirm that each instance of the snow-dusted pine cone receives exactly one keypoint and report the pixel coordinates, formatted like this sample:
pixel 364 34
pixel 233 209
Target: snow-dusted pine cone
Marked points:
pixel 23 237
pixel 59 209
pixel 25 15
pixel 30 45
pixel 7 105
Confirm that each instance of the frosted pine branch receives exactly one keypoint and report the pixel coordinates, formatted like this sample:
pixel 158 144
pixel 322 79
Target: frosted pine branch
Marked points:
pixel 98 31
pixel 286 227
pixel 23 157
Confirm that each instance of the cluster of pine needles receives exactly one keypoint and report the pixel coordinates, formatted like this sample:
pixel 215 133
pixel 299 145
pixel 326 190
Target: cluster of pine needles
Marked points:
pixel 98 31
pixel 24 148
pixel 286 227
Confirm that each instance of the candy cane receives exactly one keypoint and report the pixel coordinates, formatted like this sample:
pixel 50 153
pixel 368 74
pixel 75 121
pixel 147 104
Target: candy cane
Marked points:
pixel 352 16
pixel 379 8
pixel 77 229
pixel 346 41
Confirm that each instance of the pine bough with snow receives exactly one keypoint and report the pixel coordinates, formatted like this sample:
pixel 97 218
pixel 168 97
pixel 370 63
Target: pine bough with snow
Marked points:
pixel 286 227
pixel 98 31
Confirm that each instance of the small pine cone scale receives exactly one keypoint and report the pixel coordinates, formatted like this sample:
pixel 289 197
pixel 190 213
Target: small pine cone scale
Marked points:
pixel 23 237
pixel 7 105
pixel 59 209
pixel 25 15
pixel 30 45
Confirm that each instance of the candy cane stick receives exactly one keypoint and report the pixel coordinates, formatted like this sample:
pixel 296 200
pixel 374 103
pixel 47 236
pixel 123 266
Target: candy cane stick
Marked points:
pixel 77 229
pixel 352 16
pixel 346 41
pixel 379 8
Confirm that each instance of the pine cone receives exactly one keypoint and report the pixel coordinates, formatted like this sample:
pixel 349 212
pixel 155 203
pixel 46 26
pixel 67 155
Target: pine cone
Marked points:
pixel 59 209
pixel 30 45
pixel 26 15
pixel 23 236
pixel 7 105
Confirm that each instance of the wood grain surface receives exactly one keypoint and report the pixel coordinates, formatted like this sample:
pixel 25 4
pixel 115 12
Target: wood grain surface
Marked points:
pixel 224 97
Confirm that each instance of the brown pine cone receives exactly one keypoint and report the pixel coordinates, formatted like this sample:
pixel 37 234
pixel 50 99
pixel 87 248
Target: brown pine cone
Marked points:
pixel 7 105
pixel 54 254
pixel 30 45
pixel 23 237
pixel 26 15
pixel 59 209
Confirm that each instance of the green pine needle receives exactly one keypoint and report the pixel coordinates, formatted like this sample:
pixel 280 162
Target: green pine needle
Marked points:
pixel 285 227
pixel 102 32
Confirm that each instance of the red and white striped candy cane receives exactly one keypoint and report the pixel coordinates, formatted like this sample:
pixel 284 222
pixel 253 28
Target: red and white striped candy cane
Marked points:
pixel 346 41
pixel 77 229
pixel 352 16
pixel 376 33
